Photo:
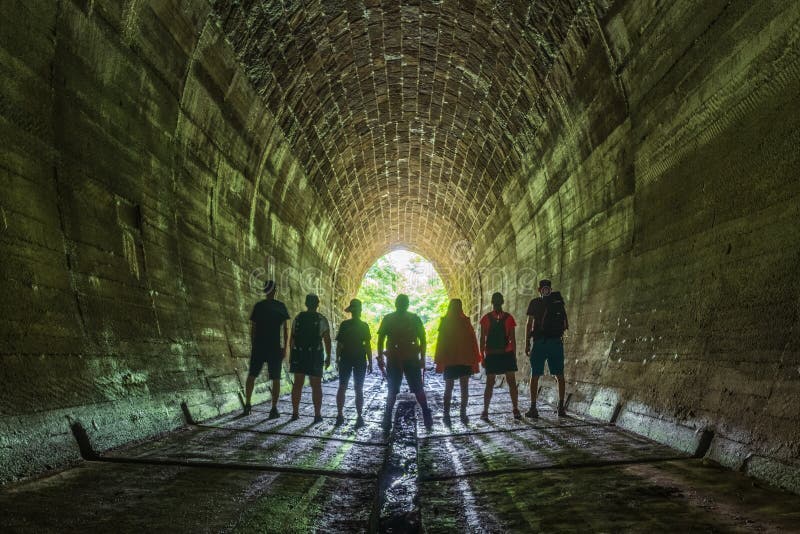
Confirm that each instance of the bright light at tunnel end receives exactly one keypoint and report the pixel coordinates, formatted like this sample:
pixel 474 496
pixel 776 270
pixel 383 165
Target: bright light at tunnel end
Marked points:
pixel 403 271
pixel 457 264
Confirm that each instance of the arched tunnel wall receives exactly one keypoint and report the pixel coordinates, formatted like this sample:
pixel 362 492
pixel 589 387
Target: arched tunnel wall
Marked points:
pixel 146 194
pixel 662 199
pixel 145 183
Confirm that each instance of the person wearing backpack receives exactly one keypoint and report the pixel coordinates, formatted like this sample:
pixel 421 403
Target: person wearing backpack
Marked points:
pixel 499 347
pixel 457 355
pixel 268 318
pixel 547 322
pixel 310 341
pixel 403 335
pixel 353 357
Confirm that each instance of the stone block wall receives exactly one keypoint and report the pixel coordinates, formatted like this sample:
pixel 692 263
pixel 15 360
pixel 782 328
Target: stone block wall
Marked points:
pixel 662 199
pixel 146 193
pixel 160 158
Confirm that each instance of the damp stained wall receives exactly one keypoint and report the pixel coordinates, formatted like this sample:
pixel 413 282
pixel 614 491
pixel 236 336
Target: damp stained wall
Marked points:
pixel 146 194
pixel 643 155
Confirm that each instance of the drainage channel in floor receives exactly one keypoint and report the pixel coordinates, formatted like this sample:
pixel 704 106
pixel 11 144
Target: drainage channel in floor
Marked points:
pixel 398 506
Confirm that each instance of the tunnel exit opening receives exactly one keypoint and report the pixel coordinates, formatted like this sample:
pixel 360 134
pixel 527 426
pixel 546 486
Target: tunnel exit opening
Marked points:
pixel 403 271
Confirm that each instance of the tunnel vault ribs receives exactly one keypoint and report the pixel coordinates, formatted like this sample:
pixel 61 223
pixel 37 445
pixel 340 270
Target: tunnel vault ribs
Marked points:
pixel 408 116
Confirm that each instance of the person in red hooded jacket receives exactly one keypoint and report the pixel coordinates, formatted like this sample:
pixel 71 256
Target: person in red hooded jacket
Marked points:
pixel 457 355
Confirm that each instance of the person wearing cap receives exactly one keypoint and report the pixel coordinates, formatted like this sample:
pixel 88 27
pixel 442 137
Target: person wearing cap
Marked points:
pixel 353 357
pixel 499 348
pixel 547 322
pixel 268 318
pixel 457 355
pixel 403 335
pixel 310 343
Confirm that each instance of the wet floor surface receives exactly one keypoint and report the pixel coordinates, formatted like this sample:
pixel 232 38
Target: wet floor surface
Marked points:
pixel 252 474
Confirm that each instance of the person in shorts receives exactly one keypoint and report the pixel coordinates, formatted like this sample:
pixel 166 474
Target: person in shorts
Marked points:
pixel 547 322
pixel 353 358
pixel 311 344
pixel 403 335
pixel 499 347
pixel 268 319
pixel 457 356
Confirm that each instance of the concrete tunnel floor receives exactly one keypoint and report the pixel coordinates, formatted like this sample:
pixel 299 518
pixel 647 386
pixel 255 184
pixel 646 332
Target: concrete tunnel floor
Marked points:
pixel 251 474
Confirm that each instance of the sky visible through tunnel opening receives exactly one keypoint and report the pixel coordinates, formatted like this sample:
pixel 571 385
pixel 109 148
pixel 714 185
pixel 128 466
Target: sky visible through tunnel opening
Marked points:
pixel 402 271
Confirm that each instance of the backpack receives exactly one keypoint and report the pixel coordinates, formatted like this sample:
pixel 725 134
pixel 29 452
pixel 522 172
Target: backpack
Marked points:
pixel 306 336
pixel 496 338
pixel 554 315
pixel 352 335
pixel 404 329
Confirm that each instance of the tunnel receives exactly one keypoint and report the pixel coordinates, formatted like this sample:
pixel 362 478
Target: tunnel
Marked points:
pixel 161 159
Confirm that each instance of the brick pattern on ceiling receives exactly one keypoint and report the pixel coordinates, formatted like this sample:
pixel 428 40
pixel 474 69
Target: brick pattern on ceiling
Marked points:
pixel 408 116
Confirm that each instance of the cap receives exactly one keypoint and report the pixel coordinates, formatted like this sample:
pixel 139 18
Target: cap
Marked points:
pixel 545 283
pixel 355 304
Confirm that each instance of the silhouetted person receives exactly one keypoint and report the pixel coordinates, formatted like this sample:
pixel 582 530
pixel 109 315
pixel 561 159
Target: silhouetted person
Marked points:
pixel 353 357
pixel 269 316
pixel 547 322
pixel 457 355
pixel 311 343
pixel 499 346
pixel 405 355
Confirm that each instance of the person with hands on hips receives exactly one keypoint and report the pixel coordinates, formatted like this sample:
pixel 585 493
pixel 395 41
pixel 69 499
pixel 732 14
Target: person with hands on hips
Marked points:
pixel 403 335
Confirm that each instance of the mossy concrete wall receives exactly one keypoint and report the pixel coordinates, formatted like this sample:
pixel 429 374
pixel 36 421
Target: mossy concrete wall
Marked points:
pixel 662 198
pixel 160 158
pixel 146 193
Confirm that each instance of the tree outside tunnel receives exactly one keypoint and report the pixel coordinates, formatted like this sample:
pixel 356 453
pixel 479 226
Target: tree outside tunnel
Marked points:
pixel 402 271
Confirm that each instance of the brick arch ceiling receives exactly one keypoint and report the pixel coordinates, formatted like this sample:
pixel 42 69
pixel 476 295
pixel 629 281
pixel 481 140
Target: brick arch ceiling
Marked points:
pixel 431 239
pixel 408 116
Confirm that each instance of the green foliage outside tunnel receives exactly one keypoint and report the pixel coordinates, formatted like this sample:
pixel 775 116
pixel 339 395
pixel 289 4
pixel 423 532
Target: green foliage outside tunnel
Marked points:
pixel 404 272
